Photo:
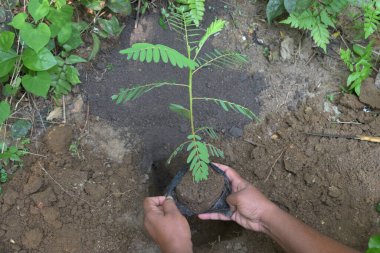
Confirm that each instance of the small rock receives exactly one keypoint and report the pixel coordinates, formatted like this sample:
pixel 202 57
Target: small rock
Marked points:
pixel 32 238
pixel 287 48
pixel 351 101
pixel 55 114
pixel 370 94
pixel 10 197
pixel 377 81
pixel 33 185
pixel 236 132
pixel 306 49
pixel 100 66
pixel 334 192
pixel 77 105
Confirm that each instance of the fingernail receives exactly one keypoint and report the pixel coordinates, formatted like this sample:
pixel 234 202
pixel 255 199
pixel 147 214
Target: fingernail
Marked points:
pixel 169 197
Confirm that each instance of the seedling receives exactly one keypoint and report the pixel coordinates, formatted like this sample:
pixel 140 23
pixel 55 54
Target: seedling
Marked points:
pixel 194 61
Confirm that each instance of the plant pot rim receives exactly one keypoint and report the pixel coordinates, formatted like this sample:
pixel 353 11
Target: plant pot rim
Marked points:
pixel 220 205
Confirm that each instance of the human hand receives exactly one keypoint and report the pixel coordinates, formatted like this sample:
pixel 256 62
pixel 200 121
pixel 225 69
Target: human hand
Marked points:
pixel 248 204
pixel 168 228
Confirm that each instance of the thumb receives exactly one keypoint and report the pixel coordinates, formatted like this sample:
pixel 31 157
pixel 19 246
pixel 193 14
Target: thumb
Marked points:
pixel 170 207
pixel 233 201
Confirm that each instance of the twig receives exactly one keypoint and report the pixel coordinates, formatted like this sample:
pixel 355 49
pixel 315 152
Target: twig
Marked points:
pixel 271 168
pixel 346 122
pixel 39 114
pixel 64 109
pixel 138 14
pixel 63 189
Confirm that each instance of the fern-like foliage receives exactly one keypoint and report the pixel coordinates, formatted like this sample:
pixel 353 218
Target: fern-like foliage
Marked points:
pixel 176 152
pixel 198 158
pixel 146 52
pixel 180 110
pixel 214 28
pixel 195 8
pixel 222 59
pixel 135 92
pixel 371 17
pixel 209 131
pixel 214 151
pixel 226 105
pixel 317 19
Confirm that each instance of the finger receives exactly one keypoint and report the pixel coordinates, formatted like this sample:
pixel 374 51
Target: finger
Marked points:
pixel 236 180
pixel 232 200
pixel 170 207
pixel 213 216
pixel 153 204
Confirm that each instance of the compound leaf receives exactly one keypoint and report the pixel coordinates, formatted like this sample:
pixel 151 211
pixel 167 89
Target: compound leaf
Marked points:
pixel 180 110
pixel 157 52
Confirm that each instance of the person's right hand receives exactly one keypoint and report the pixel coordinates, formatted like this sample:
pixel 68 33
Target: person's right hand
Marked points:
pixel 248 204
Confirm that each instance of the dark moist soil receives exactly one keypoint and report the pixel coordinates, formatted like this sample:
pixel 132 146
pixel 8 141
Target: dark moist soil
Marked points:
pixel 91 201
pixel 200 197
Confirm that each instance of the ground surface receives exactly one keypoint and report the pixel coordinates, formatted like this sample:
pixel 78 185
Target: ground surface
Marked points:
pixel 90 200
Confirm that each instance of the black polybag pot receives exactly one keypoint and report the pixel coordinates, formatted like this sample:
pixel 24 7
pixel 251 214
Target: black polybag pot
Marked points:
pixel 220 205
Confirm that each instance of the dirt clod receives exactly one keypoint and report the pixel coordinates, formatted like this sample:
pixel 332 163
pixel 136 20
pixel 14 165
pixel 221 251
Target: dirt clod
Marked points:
pixel 58 139
pixel 32 238
pixel 369 93
pixel 33 185
pixel 200 197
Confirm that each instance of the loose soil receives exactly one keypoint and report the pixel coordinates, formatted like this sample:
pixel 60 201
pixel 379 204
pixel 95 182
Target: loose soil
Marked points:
pixel 91 200
pixel 200 197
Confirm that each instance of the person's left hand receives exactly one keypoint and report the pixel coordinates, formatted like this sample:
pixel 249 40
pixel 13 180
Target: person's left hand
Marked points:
pixel 166 225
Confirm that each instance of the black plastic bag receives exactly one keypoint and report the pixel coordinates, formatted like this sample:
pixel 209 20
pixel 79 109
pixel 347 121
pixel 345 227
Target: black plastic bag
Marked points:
pixel 220 205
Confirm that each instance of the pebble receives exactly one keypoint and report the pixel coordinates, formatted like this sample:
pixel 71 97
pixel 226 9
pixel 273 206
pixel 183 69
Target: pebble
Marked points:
pixel 334 192
pixel 287 48
pixel 236 132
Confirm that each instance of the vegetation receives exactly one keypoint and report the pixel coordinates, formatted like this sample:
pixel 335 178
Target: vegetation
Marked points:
pixel 374 244
pixel 318 16
pixel 184 21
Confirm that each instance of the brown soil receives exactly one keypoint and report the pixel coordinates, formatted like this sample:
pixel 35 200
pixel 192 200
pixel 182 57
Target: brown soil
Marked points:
pixel 200 197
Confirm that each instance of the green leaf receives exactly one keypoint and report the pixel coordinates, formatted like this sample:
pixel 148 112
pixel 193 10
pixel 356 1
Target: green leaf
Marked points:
pixel 326 19
pixel 222 59
pixel 120 6
pixel 7 61
pixel 297 5
pixel 40 61
pixel 20 128
pixel 65 33
pixel 3 176
pixel 275 8
pixel 180 110
pixel 72 59
pixel 214 151
pixel 36 38
pixel 111 27
pixel 209 131
pixel 214 28
pixel 75 41
pixel 374 242
pixel 95 46
pixel 175 58
pixel 133 93
pixel 232 106
pixel 6 40
pixel 59 18
pixel 320 35
pixel 38 85
pixel 9 90
pixel 198 160
pixel 18 21
pixel 38 9
pixel 176 151
pixel 72 75
pixel 197 10
pixel 5 111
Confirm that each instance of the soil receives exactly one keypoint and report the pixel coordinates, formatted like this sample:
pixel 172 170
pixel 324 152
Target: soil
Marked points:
pixel 91 200
pixel 200 197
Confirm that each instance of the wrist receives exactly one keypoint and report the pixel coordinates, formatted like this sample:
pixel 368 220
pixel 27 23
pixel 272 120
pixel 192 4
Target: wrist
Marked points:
pixel 269 216
pixel 179 246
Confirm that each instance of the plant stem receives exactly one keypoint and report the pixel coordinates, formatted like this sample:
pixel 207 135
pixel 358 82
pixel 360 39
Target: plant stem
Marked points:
pixel 191 102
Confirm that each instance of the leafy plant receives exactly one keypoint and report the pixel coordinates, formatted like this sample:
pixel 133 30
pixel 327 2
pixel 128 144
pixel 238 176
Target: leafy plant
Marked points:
pixel 371 17
pixel 182 21
pixel 195 9
pixel 359 62
pixel 374 244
